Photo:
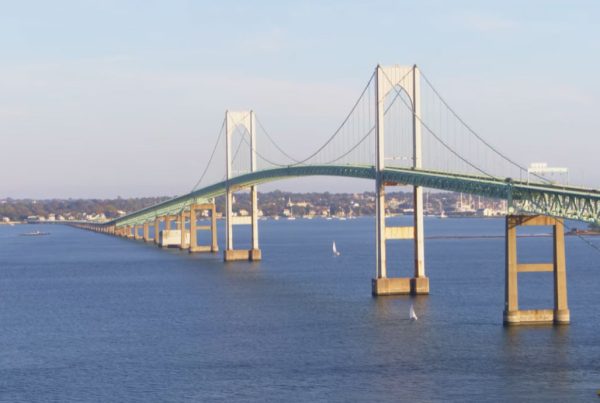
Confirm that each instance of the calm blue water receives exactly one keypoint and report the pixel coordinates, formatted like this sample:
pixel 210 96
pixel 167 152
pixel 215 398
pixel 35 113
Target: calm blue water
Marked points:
pixel 88 317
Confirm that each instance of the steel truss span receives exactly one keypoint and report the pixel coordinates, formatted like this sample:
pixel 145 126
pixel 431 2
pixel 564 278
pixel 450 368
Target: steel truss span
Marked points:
pixel 554 200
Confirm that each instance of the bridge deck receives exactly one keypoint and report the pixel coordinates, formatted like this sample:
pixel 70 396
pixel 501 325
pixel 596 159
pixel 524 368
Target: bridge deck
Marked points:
pixel 554 200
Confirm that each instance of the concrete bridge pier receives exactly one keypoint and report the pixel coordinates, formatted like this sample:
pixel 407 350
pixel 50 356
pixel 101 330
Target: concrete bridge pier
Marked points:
pixel 387 79
pixel 194 247
pixel 136 232
pixel 382 284
pixel 231 254
pixel 162 235
pixel 128 231
pixel 247 121
pixel 184 242
pixel 512 314
pixel 157 221
pixel 147 232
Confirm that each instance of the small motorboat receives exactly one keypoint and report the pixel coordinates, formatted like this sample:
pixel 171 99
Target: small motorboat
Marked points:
pixel 35 233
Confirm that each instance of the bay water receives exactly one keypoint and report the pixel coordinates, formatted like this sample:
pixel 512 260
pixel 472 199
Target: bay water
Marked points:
pixel 87 317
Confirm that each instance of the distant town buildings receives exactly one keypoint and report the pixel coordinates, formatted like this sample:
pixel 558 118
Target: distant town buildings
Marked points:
pixel 272 204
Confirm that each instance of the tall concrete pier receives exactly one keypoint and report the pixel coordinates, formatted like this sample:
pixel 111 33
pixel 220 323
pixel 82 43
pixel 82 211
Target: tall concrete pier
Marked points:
pixel 512 314
pixel 213 246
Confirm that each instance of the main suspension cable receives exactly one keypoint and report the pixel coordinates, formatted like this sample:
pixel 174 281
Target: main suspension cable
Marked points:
pixel 474 133
pixel 411 109
pixel 273 141
pixel 210 159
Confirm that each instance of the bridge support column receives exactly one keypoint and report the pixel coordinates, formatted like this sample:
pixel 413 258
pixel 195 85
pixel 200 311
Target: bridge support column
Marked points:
pixel 213 229
pixel 168 219
pixel 245 119
pixel 194 247
pixel 512 314
pixel 147 232
pixel 255 252
pixel 157 230
pixel 419 284
pixel 382 284
pixel 386 78
pixel 136 232
pixel 185 234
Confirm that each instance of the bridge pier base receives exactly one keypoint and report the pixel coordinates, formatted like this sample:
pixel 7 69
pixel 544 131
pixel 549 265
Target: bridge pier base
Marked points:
pixel 400 286
pixel 419 285
pixel 512 314
pixel 233 255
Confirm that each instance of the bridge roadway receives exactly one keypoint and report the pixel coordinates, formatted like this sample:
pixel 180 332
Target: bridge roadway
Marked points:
pixel 532 198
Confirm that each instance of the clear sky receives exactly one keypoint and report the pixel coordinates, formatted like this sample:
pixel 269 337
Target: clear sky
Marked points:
pixel 105 98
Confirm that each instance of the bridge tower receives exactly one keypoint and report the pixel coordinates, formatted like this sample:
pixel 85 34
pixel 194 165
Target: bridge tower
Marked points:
pixel 388 80
pixel 247 121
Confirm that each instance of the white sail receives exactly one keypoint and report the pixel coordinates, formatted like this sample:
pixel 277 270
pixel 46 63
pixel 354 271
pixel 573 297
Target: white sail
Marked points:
pixel 412 314
pixel 335 251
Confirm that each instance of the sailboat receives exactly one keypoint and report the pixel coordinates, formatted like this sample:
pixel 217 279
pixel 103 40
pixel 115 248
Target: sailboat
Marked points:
pixel 411 314
pixel 335 251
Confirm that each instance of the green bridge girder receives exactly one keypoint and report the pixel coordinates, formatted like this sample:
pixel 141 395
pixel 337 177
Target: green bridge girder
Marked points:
pixel 554 200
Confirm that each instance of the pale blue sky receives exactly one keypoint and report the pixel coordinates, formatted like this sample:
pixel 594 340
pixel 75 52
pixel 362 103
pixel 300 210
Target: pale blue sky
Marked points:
pixel 95 96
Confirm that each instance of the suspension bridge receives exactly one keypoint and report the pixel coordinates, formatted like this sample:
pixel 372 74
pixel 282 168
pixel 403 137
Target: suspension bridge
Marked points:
pixel 399 132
